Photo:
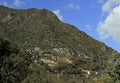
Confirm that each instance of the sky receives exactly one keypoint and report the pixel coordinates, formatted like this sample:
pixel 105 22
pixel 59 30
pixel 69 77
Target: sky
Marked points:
pixel 98 18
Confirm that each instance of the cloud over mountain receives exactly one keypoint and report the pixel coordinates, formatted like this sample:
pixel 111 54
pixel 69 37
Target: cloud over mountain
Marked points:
pixel 18 3
pixel 13 3
pixel 109 5
pixel 57 12
pixel 111 26
pixel 73 6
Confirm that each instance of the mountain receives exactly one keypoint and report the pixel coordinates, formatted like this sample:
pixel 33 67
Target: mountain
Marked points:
pixel 59 50
pixel 41 28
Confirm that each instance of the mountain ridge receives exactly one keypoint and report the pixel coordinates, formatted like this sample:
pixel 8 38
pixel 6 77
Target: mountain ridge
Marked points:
pixel 56 48
pixel 42 28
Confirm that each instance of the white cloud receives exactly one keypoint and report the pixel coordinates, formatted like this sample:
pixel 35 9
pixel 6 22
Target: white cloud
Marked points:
pixel 5 3
pixel 15 3
pixel 18 3
pixel 111 25
pixel 100 1
pixel 73 6
pixel 109 5
pixel 89 27
pixel 57 12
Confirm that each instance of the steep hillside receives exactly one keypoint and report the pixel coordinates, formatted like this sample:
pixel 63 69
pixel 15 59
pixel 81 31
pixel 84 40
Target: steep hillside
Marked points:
pixel 57 48
pixel 41 28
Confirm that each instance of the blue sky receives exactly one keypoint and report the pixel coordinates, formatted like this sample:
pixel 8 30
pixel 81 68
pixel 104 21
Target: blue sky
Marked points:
pixel 98 18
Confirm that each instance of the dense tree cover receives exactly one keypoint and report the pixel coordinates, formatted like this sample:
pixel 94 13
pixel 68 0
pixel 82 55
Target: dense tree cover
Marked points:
pixel 13 63
pixel 114 67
